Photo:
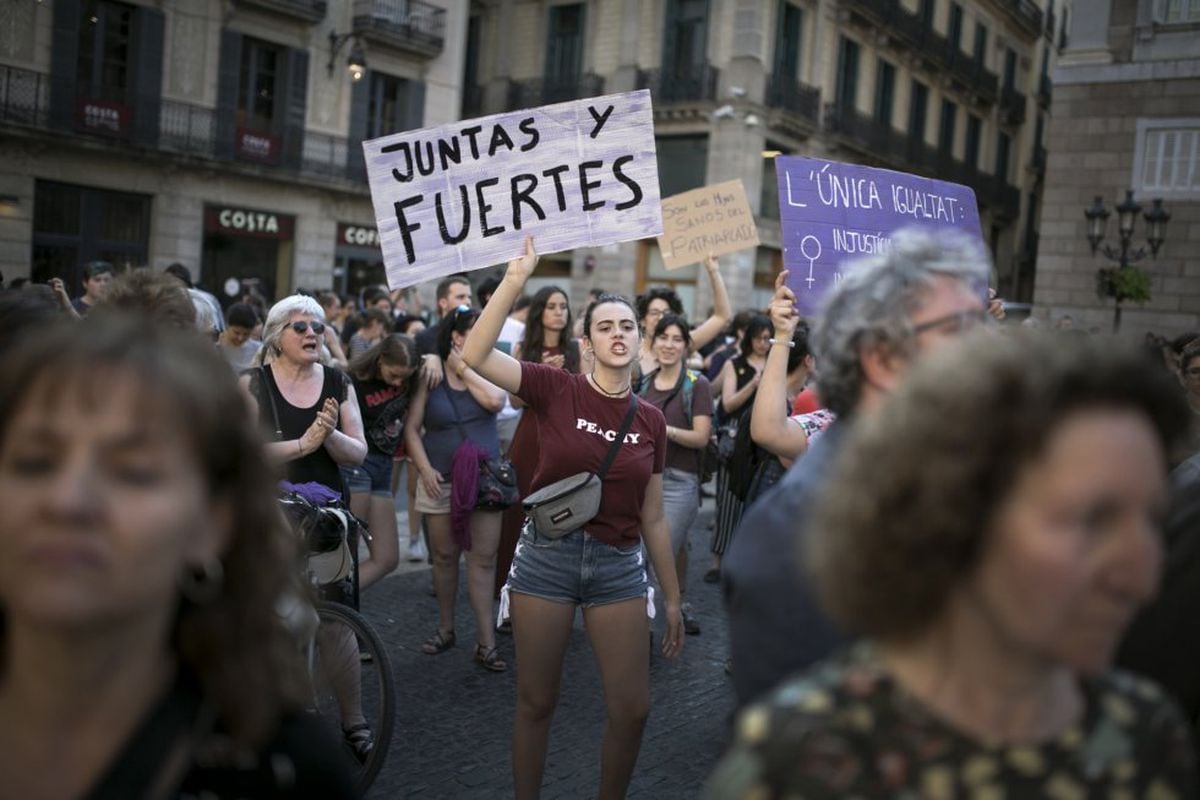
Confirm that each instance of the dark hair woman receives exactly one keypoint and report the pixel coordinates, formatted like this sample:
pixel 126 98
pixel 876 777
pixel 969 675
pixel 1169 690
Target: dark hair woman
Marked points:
pixel 685 398
pixel 384 381
pixel 739 381
pixel 459 413
pixel 547 340
pixel 141 558
pixel 576 416
pixel 658 301
pixel 989 534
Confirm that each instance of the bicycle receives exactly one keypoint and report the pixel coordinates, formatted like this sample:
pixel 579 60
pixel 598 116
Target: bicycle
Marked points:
pixel 351 674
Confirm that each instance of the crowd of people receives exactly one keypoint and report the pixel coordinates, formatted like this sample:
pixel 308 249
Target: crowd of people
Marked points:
pixel 934 534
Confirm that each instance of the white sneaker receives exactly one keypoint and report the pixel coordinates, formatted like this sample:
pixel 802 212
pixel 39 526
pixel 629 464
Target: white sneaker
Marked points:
pixel 416 550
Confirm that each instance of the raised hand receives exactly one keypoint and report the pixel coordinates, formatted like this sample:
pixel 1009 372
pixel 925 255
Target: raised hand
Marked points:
pixel 519 269
pixel 782 309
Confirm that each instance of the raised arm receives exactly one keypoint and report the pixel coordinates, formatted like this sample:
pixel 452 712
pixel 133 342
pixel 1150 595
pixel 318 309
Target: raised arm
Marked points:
pixel 769 425
pixel 712 327
pixel 479 350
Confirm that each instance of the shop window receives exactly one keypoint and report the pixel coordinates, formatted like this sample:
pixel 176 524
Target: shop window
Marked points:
pixel 258 93
pixel 73 225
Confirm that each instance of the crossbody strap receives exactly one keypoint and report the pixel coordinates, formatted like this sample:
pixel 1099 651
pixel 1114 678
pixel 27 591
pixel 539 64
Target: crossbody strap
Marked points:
pixel 271 398
pixel 615 447
pixel 454 408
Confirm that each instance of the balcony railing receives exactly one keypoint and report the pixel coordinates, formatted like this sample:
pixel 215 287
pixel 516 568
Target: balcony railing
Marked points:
pixel 188 129
pixel 680 84
pixel 24 97
pixel 544 91
pixel 325 155
pixel 971 73
pixel 1045 91
pixel 794 97
pixel 409 25
pixel 1026 15
pixel 1012 107
pixel 307 10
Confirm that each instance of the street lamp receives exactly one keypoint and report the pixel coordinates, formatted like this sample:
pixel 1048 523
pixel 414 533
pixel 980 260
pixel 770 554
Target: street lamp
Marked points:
pixel 356 63
pixel 1125 282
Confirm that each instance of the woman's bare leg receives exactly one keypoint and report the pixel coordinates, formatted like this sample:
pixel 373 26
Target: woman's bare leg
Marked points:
pixel 384 544
pixel 445 568
pixel 541 629
pixel 619 636
pixel 481 573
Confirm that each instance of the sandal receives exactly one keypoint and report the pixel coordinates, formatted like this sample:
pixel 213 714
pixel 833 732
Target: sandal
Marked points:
pixel 360 740
pixel 438 643
pixel 489 659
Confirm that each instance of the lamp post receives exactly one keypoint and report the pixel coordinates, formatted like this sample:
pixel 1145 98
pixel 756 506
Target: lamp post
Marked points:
pixel 356 63
pixel 1125 281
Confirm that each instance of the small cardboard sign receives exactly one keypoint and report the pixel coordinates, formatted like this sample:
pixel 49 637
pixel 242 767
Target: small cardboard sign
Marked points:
pixel 714 219
pixel 832 213
pixel 464 195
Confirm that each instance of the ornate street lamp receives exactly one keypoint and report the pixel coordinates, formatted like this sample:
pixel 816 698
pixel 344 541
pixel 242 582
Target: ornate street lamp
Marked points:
pixel 357 61
pixel 1125 281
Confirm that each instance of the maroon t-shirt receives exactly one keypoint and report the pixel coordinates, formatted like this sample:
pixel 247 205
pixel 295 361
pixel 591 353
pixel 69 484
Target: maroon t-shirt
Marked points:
pixel 573 421
pixel 678 456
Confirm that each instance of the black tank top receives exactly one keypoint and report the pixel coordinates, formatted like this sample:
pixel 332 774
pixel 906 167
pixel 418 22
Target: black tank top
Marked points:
pixel 318 465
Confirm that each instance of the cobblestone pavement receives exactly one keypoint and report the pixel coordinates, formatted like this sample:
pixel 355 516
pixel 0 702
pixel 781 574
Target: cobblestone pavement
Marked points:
pixel 455 720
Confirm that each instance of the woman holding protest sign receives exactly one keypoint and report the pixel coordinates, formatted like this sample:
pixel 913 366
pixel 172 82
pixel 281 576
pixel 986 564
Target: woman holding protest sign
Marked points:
pixel 658 301
pixel 582 547
pixel 547 340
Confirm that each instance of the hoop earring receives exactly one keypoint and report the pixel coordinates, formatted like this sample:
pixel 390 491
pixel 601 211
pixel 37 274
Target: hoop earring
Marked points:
pixel 201 583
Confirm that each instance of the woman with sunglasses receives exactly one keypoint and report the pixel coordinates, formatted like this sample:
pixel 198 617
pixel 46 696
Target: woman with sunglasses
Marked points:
pixel 601 565
pixel 311 415
pixel 461 410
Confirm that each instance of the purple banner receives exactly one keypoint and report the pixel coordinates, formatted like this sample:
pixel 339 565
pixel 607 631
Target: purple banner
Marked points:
pixel 832 213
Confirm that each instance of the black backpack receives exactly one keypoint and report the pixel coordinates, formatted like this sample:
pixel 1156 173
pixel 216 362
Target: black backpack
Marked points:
pixel 751 468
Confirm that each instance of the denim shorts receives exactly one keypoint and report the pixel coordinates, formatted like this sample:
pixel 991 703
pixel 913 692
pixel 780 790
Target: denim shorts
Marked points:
pixel 681 503
pixel 374 475
pixel 578 569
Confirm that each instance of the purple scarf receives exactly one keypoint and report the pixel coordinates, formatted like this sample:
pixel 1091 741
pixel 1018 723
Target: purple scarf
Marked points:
pixel 464 490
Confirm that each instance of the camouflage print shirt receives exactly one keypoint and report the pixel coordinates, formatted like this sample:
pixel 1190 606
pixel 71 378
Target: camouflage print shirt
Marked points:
pixel 845 729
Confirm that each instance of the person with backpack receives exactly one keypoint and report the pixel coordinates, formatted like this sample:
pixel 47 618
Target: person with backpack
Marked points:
pixel 739 381
pixel 685 398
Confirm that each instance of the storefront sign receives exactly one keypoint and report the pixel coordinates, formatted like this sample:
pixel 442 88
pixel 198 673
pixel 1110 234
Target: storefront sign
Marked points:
pixel 715 219
pixel 464 195
pixel 257 146
pixel 832 213
pixel 357 235
pixel 98 116
pixel 248 222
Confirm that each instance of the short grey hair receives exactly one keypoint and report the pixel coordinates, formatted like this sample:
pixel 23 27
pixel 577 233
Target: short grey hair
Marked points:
pixel 278 318
pixel 206 318
pixel 873 303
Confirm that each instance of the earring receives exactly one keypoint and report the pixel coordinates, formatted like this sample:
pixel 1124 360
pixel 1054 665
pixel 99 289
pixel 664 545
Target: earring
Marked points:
pixel 201 583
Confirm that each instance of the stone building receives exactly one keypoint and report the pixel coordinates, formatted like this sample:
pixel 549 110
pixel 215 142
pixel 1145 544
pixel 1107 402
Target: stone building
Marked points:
pixel 954 89
pixel 1126 117
pixel 222 134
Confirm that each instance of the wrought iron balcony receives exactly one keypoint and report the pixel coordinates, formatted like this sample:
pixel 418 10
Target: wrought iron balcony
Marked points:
pixel 680 84
pixel 970 73
pixel 1012 107
pixel 24 97
pixel 1027 16
pixel 306 10
pixel 558 89
pixel 410 25
pixel 187 129
pixel 792 96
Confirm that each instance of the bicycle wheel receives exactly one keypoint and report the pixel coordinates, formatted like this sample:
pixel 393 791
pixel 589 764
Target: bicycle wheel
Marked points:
pixel 351 673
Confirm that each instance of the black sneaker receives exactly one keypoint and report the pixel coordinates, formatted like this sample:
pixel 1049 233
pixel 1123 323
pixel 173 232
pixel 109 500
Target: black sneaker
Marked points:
pixel 690 625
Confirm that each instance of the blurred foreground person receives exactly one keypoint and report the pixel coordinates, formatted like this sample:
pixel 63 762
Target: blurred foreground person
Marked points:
pixel 888 312
pixel 989 535
pixel 141 556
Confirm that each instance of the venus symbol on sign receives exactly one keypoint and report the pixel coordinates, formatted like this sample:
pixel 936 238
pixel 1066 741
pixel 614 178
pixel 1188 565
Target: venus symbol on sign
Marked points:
pixel 812 257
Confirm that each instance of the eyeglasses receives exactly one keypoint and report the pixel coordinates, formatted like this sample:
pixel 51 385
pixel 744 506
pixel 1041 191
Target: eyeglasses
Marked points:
pixel 958 322
pixel 301 327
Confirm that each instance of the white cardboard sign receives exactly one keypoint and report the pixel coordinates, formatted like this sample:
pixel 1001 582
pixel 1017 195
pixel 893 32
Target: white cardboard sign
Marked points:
pixel 463 196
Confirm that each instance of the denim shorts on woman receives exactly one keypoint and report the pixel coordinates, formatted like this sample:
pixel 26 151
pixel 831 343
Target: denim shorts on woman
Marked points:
pixel 578 569
pixel 374 476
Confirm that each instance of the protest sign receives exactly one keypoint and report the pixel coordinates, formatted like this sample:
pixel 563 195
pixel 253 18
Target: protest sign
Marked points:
pixel 831 213
pixel 463 196
pixel 714 219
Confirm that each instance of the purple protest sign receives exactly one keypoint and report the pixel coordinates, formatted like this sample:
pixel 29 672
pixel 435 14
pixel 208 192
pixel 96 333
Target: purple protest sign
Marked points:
pixel 832 213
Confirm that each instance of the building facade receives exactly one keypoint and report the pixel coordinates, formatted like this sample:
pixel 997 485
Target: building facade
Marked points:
pixel 1126 117
pixel 953 89
pixel 221 134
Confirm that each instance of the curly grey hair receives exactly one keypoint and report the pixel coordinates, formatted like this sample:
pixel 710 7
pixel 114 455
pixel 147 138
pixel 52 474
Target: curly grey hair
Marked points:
pixel 278 318
pixel 875 299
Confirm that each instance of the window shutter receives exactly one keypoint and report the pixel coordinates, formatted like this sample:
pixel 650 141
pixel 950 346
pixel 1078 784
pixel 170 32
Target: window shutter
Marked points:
pixel 146 86
pixel 228 75
pixel 64 56
pixel 670 31
pixel 296 99
pixel 360 96
pixel 414 114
